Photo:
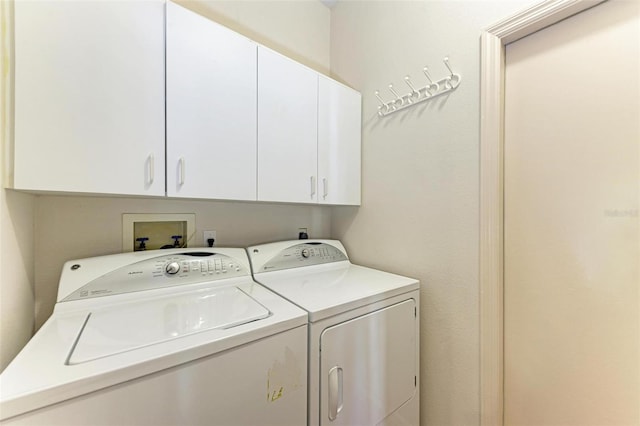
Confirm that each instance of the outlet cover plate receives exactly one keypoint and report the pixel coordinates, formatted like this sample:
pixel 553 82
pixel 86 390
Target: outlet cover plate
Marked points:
pixel 209 234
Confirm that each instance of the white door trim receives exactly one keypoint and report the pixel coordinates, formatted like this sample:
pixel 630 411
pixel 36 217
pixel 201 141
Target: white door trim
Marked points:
pixel 492 67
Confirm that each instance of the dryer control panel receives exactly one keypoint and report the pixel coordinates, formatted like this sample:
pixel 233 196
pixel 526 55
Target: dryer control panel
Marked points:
pixel 297 255
pixel 157 272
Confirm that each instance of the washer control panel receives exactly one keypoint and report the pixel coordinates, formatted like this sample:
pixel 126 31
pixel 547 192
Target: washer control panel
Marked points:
pixel 162 271
pixel 185 266
pixel 304 254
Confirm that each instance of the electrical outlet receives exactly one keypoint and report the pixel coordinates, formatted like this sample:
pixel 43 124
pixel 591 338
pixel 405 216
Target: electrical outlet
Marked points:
pixel 208 234
pixel 303 233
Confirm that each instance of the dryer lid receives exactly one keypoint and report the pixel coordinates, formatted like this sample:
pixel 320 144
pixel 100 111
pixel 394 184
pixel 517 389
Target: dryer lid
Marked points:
pixel 327 290
pixel 121 328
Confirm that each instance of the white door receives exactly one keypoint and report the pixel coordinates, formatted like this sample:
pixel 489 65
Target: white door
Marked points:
pixel 368 366
pixel 572 227
pixel 339 134
pixel 287 129
pixel 89 96
pixel 211 109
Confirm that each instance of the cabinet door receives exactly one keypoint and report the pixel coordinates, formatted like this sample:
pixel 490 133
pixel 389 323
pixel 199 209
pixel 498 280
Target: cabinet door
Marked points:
pixel 339 133
pixel 287 129
pixel 211 109
pixel 368 366
pixel 89 96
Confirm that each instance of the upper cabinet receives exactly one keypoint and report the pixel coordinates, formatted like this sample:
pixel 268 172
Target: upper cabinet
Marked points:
pixel 89 97
pixel 97 83
pixel 308 135
pixel 211 109
pixel 339 134
pixel 287 129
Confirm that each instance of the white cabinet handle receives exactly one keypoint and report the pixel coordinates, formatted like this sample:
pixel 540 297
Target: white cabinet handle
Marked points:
pixel 335 392
pixel 181 166
pixel 325 189
pixel 152 173
pixel 313 186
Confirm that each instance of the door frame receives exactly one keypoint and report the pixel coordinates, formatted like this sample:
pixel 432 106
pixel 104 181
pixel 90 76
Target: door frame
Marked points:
pixel 492 70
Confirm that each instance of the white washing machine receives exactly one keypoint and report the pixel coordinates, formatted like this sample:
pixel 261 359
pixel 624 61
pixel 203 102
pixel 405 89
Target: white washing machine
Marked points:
pixel 363 332
pixel 165 337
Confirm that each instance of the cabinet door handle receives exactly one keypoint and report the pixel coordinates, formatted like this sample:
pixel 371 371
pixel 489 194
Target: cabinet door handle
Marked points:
pixel 181 164
pixel 325 189
pixel 335 392
pixel 313 186
pixel 152 173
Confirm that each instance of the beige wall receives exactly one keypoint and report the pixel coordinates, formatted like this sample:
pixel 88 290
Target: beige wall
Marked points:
pixel 419 213
pixel 17 293
pixel 73 227
pixel 298 29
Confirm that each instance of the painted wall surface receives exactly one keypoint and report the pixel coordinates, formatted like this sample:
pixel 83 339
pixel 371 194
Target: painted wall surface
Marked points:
pixel 70 227
pixel 16 224
pixel 17 291
pixel 298 29
pixel 419 213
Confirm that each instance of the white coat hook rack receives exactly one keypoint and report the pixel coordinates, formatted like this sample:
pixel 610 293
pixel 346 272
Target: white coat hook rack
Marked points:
pixel 416 96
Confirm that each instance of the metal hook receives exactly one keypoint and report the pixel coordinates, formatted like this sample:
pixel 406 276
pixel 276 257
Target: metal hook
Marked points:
pixel 384 105
pixel 407 80
pixel 454 79
pixel 418 95
pixel 425 70
pixel 446 62
pixel 398 97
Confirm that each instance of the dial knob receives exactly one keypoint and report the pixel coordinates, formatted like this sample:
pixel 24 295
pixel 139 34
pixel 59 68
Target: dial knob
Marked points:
pixel 305 253
pixel 172 268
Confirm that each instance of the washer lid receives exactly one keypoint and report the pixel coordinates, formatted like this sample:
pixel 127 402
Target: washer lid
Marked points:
pixel 121 328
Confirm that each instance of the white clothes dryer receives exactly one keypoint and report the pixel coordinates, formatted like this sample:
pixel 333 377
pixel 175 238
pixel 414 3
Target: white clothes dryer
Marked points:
pixel 164 337
pixel 363 332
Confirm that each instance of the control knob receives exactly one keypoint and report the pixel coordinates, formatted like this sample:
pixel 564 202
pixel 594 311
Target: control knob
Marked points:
pixel 172 268
pixel 305 253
